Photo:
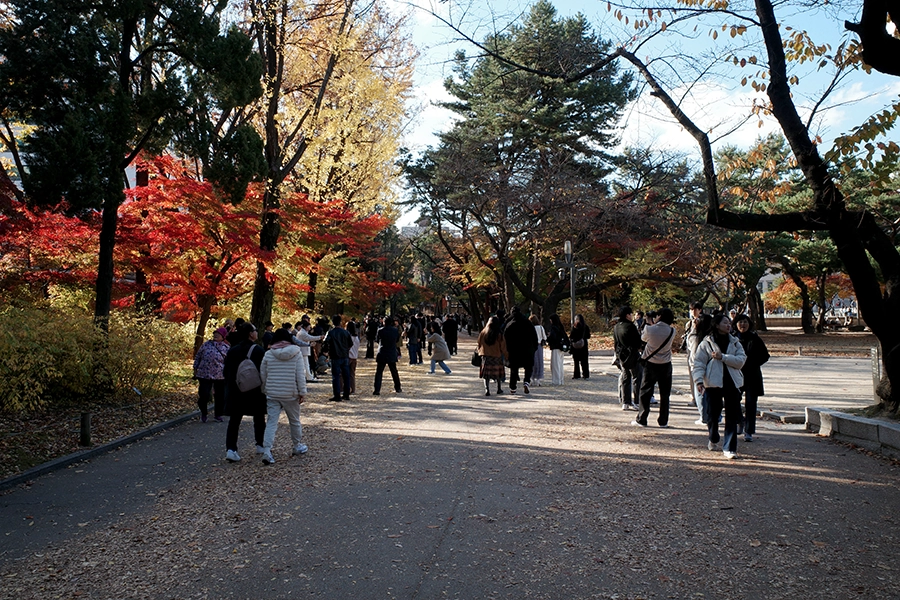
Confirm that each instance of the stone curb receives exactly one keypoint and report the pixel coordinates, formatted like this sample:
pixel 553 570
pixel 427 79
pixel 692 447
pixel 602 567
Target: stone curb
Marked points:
pixel 83 455
pixel 872 434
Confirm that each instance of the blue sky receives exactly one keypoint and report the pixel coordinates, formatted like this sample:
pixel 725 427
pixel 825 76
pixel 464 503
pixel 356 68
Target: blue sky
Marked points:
pixel 717 104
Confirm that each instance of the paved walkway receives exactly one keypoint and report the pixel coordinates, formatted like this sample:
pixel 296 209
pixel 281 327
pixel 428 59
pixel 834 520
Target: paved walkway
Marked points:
pixel 441 492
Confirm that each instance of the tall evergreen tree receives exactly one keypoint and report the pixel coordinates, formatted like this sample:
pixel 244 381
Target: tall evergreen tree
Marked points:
pixel 100 82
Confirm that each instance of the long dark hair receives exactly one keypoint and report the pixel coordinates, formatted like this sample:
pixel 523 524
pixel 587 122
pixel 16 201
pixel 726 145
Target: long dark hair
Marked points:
pixel 718 318
pixel 555 321
pixel 704 326
pixel 493 331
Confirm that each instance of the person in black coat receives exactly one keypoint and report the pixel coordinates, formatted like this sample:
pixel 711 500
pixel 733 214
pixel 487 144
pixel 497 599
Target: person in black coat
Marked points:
pixel 757 355
pixel 371 332
pixel 238 403
pixel 451 333
pixel 580 332
pixel 521 344
pixel 388 337
pixel 628 344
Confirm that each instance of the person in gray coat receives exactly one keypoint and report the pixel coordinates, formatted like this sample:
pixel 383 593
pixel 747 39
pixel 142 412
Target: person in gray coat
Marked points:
pixel 439 349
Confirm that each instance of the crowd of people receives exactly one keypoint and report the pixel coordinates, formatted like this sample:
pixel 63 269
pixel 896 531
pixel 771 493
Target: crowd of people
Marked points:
pixel 723 367
pixel 246 374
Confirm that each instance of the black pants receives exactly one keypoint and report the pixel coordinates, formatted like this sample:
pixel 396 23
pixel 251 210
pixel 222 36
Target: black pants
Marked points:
pixel 580 358
pixel 514 367
pixel 234 425
pixel 379 374
pixel 370 347
pixel 656 374
pixel 217 388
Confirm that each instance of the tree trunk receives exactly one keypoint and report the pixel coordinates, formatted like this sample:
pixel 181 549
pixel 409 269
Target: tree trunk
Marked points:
pixel 264 285
pixel 105 268
pixel 820 289
pixel 206 303
pixel 756 308
pixel 311 294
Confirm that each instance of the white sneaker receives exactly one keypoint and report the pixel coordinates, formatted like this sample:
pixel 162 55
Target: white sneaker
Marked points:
pixel 232 456
pixel 730 455
pixel 267 458
pixel 699 422
pixel 300 449
pixel 260 450
pixel 712 447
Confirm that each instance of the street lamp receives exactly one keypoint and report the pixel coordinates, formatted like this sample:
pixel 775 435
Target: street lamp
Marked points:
pixel 570 263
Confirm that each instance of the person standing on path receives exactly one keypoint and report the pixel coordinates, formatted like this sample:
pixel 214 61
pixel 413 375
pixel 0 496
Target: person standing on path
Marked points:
pixel 337 344
pixel 209 370
pixel 579 344
pixel 717 369
pixel 757 355
pixel 627 342
pixel 284 384
pixel 387 337
pixel 492 349
pixel 558 342
pixel 537 372
pixel 657 359
pixel 699 330
pixel 237 403
pixel 371 331
pixel 413 340
pixel 521 344
pixel 440 351
pixel 450 327
pixel 689 342
pixel 353 330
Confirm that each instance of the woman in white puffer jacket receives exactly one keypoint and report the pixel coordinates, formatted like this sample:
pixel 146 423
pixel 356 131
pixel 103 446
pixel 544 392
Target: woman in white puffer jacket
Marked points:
pixel 717 371
pixel 284 384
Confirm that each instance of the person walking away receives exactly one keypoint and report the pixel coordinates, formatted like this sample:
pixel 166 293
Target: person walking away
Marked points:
pixel 239 403
pixel 537 371
pixel 209 370
pixel 757 355
pixel 492 349
pixel 579 346
pixel 558 342
pixel 371 332
pixel 413 340
pixel 521 344
pixel 284 384
pixel 337 344
pixel 627 344
pixel 451 333
pixel 717 369
pixel 353 330
pixel 387 337
pixel 440 351
pixel 657 357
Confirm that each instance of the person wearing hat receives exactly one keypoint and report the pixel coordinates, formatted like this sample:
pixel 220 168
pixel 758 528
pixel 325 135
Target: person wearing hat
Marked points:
pixel 209 365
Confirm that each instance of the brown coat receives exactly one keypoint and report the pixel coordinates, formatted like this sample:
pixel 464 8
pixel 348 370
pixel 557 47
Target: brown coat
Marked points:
pixel 497 349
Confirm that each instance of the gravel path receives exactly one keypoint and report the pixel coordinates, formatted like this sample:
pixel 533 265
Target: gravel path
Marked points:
pixel 442 492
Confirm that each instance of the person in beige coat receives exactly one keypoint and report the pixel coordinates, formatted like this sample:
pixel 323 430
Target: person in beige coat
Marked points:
pixel 492 349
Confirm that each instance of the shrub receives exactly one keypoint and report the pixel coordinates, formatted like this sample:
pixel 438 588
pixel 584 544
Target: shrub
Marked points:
pixel 53 357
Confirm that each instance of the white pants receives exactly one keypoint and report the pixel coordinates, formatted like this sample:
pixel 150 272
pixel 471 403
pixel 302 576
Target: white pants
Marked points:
pixel 292 410
pixel 306 369
pixel 556 366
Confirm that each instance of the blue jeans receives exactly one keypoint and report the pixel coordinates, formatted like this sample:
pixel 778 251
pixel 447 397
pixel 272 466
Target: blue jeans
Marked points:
pixel 750 405
pixel 443 366
pixel 414 353
pixel 340 367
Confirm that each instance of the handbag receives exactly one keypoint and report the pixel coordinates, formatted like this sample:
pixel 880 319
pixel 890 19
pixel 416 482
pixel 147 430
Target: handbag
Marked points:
pixel 476 359
pixel 644 361
pixel 578 344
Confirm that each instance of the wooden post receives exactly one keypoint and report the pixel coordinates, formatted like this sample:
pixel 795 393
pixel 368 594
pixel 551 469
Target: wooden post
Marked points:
pixel 85 439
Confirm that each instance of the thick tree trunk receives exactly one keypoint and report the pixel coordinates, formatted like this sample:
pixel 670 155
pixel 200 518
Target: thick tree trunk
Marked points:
pixel 264 284
pixel 311 294
pixel 756 308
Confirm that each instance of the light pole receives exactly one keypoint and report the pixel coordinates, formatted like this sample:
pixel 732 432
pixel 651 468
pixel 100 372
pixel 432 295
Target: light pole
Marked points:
pixel 570 263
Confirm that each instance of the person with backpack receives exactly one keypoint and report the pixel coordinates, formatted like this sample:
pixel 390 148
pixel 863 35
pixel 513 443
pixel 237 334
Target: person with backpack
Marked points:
pixel 243 389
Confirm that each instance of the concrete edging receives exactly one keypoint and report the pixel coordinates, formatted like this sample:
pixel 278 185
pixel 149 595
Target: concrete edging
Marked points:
pixel 872 434
pixel 89 453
